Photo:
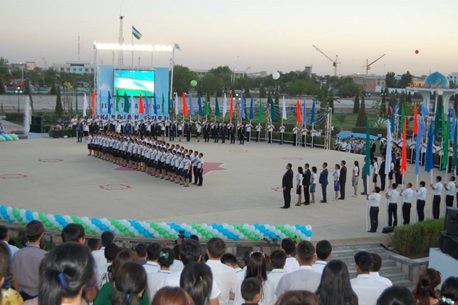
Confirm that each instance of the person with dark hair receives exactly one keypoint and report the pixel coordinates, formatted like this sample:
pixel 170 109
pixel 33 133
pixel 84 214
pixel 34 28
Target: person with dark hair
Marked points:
pixel 298 297
pixel 366 287
pixel 304 278
pixel 407 195
pixel 166 257
pixel 298 183
pixel 392 195
pixel 288 246
pixel 396 295
pixel 313 184
pixel 335 287
pixel 110 253
pixel 449 191
pixel 251 290
pixel 93 244
pixel 323 253
pixel 306 183
pixel 177 265
pixel 141 253
pixel 8 296
pixel 172 296
pixel 437 188
pixel 278 260
pixel 425 289
pixel 421 200
pixel 355 178
pixel 374 204
pixel 5 237
pixel 65 271
pixel 99 255
pixel 197 280
pixel 449 291
pixel 343 179
pixel 230 260
pixel 129 284
pixel 152 252
pixel 26 280
pixel 323 180
pixel 287 185
pixel 73 232
pixel 376 266
pixel 224 275
pixel 336 180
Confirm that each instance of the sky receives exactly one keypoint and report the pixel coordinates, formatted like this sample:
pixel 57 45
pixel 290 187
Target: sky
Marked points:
pixel 247 35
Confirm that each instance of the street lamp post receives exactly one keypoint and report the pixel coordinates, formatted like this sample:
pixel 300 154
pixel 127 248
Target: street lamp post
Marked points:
pixel 18 91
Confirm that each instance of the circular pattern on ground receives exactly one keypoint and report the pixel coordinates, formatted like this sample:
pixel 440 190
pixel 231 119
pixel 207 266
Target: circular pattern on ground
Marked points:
pixel 115 187
pixel 293 158
pixel 238 150
pixel 51 160
pixel 13 176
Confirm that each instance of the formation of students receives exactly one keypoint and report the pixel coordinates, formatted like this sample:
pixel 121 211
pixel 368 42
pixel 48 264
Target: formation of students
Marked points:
pixel 155 157
pixel 104 273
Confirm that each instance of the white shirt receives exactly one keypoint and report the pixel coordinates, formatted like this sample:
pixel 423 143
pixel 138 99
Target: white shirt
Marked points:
pixel 450 190
pixel 100 262
pixel 275 276
pixel 267 298
pixel 374 199
pixel 407 195
pixel 154 282
pixel 318 266
pixel 299 179
pixel 173 280
pixel 177 266
pixel 421 193
pixel 225 278
pixel 291 265
pixel 374 168
pixel 355 171
pixel 437 189
pixel 303 279
pixel 393 196
pixel 382 279
pixel 367 288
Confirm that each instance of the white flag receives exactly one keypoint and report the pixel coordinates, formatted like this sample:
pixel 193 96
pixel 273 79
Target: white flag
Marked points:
pixel 283 111
pixel 85 105
pixel 224 106
pixel 176 104
pixel 388 149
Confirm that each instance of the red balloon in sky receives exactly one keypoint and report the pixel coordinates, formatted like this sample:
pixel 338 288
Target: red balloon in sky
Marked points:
pixel 416 51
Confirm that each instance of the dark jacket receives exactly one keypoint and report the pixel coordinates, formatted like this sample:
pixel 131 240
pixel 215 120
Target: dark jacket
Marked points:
pixel 306 177
pixel 287 180
pixel 323 177
pixel 343 174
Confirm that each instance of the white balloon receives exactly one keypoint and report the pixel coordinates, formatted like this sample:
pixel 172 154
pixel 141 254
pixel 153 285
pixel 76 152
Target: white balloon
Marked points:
pixel 276 75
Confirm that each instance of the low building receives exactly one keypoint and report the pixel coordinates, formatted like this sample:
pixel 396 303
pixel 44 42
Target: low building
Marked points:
pixel 370 83
pixel 74 67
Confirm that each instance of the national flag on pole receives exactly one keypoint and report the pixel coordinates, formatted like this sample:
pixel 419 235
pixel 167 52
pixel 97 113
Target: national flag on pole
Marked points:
pixel 147 106
pixel 185 105
pixel 445 143
pixel 242 108
pixel 231 106
pixel 415 119
pixel 452 114
pixel 118 98
pixel 199 103
pixel 141 106
pixel 368 150
pixel 136 33
pixel 389 148
pixel 217 113
pixel 191 106
pixel 155 105
pixel 298 111
pixel 429 162
pixel 176 104
pixel 224 105
pixel 436 122
pixel 260 111
pixel 393 116
pixel 126 103
pixel 85 104
pixel 109 102
pixel 163 105
pixel 273 115
pixel 251 108
pixel 304 113
pixel 93 102
pixel 312 115
pixel 207 107
pixel 418 142
pixel 283 109
pixel 404 148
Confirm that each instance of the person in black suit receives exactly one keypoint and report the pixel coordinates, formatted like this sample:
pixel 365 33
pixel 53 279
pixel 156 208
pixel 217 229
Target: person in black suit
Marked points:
pixel 372 149
pixel 382 174
pixel 343 179
pixel 287 185
pixel 306 183
pixel 323 180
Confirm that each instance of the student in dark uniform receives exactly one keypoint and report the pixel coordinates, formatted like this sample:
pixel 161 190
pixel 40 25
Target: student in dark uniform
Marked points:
pixel 323 180
pixel 241 134
pixel 223 133
pixel 343 179
pixel 382 174
pixel 306 183
pixel 287 185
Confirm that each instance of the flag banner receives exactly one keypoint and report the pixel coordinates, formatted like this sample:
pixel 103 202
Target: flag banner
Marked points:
pixel 445 143
pixel 389 149
pixel 260 111
pixel 85 105
pixel 163 105
pixel 136 33
pixel 109 102
pixel 436 122
pixel 118 98
pixel 224 105
pixel 283 109
pixel 207 106
pixel 452 114
pixel 93 102
pixel 429 163
pixel 155 105
pixel 199 103
pixel 418 142
pixel 191 106
pixel 401 121
pixel 185 105
pixel 415 119
pixel 404 148
pixel 231 106
pixel 242 108
pixel 147 106
pixel 176 104
pixel 393 116
pixel 298 111
pixel 126 103
pixel 141 106
pixel 273 115
pixel 304 113
pixel 217 113
pixel 251 108
pixel 312 114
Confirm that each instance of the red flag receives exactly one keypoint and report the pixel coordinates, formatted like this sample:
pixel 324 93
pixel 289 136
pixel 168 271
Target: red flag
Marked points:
pixel 93 102
pixel 185 106
pixel 415 120
pixel 391 111
pixel 404 148
pixel 231 107
pixel 141 106
pixel 298 111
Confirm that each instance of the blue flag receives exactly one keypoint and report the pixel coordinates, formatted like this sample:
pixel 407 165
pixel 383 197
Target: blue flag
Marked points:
pixel 251 108
pixel 429 164
pixel 242 108
pixel 304 113
pixel 199 103
pixel 109 102
pixel 453 129
pixel 312 115
pixel 147 106
pixel 191 106
pixel 424 111
pixel 155 105
pixel 419 140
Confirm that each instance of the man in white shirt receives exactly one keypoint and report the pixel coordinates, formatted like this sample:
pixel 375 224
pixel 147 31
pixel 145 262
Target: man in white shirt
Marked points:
pixel 437 197
pixel 323 253
pixel 277 259
pixel 449 191
pixel 376 266
pixel 367 288
pixel 99 255
pixel 392 197
pixel 407 195
pixel 288 246
pixel 374 204
pixel 222 274
pixel 304 278
pixel 421 200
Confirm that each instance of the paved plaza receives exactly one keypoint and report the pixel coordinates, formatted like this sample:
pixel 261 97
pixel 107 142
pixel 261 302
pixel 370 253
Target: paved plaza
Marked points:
pixel 243 185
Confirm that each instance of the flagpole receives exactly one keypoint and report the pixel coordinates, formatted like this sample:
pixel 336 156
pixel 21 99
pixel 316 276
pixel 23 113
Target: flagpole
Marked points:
pixel 132 51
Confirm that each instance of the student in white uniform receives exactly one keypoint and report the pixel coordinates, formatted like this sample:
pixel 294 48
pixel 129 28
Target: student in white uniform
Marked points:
pixel 278 260
pixel 288 246
pixel 449 191
pixel 421 200
pixel 392 195
pixel 407 195
pixel 165 259
pixel 376 266
pixel 437 188
pixel 323 253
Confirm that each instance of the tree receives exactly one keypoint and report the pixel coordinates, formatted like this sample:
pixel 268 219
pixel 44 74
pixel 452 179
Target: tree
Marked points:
pixel 356 104
pixel 4 72
pixel 390 80
pixel 59 110
pixel 346 87
pixel 2 87
pixel 182 76
pixel 406 79
pixel 362 116
pixel 211 84
pixel 224 73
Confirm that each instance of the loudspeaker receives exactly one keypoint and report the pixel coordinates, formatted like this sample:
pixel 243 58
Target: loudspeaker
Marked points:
pixel 388 229
pixel 449 245
pixel 37 124
pixel 451 221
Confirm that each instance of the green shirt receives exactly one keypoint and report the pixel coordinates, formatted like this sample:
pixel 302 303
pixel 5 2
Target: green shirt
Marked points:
pixel 104 295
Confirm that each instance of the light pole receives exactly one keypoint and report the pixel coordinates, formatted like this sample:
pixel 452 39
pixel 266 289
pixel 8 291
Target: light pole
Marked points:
pixel 18 91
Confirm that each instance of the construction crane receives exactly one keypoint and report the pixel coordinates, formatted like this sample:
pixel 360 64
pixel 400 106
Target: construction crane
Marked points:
pixel 120 41
pixel 334 62
pixel 368 65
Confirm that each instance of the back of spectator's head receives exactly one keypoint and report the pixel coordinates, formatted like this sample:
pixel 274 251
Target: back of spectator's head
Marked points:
pixel 110 251
pixel 449 291
pixel 4 260
pixel 73 232
pixel 172 296
pixel 64 273
pixel 197 280
pixel 363 261
pixel 123 256
pixel 335 286
pixel 287 244
pixel 193 236
pixel 376 262
pixel 278 259
pixel 190 251
pixel 216 247
pixel 4 232
pixel 298 297
pixel 153 251
pixel 166 257
pixel 140 250
pixel 129 284
pixel 426 287
pixel 34 230
pixel 107 238
pixel 93 244
pixel 176 251
pixel 396 295
pixel 246 258
pixel 257 266
pixel 305 252
pixel 323 250
pixel 251 289
pixel 229 259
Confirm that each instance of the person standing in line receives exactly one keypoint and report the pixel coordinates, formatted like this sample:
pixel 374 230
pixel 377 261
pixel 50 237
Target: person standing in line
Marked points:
pixel 421 200
pixel 392 196
pixel 200 169
pixel 374 203
pixel 355 178
pixel 382 174
pixel 374 170
pixel 287 185
pixel 336 179
pixel 364 176
pixel 248 131
pixel 343 179
pixel 306 181
pixel 313 184
pixel 299 178
pixel 449 191
pixel 295 129
pixel 303 134
pixel 323 180
pixel 407 195
pixel 270 129
pixel 258 131
pixel 282 134
pixel 437 188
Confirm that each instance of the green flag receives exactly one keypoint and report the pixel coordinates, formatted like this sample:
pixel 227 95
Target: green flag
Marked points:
pixel 217 113
pixel 126 103
pixel 455 161
pixel 163 104
pixel 207 109
pixel 368 150
pixel 273 115
pixel 260 111
pixel 401 122
pixel 117 101
pixel 445 144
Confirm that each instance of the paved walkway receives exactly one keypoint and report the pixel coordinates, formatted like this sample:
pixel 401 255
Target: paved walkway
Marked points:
pixel 56 176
